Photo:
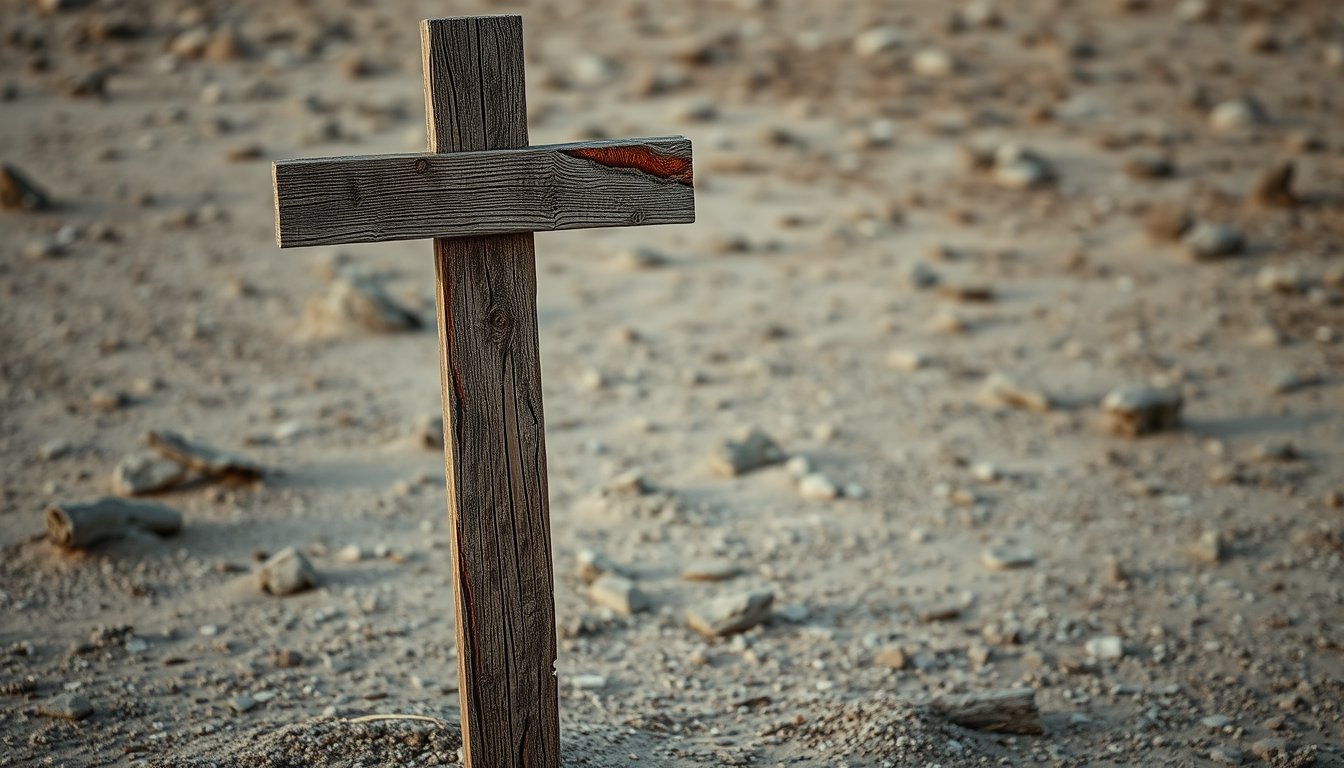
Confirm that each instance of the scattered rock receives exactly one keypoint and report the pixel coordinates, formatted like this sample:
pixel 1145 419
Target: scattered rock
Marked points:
pixel 871 42
pixel 286 659
pixel 429 431
pixel 1134 411
pixel 1007 558
pixel 729 614
pixel 1107 648
pixel 588 682
pixel 816 486
pixel 1167 223
pixel 1011 710
pixel 714 569
pixel 1208 548
pixel 933 62
pixel 1001 391
pixel 750 451
pixel 640 258
pixel 1149 165
pixel 1291 380
pixel 1016 167
pixel 942 613
pixel 921 275
pixel 18 193
pixel 69 706
pixel 351 304
pixel 1215 722
pixel 202 457
pixel 593 565
pixel 697 110
pixel 75 526
pixel 1273 279
pixel 1269 749
pixel 242 703
pixel 1207 241
pixel 1237 115
pixel 286 572
pixel 1272 187
pixel 906 360
pixel 1226 756
pixel 351 553
pixel 55 449
pixel 891 658
pixel 618 594
pixel 146 472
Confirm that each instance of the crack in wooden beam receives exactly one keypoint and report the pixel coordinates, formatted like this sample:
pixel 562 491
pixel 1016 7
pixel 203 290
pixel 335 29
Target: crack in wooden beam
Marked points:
pixel 640 157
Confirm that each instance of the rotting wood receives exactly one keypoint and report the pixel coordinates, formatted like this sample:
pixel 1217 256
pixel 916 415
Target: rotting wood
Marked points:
pixel 1005 710
pixel 331 200
pixel 75 526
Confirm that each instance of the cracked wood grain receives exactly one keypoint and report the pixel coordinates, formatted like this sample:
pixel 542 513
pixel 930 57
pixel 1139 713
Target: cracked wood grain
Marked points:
pixel 330 200
pixel 494 431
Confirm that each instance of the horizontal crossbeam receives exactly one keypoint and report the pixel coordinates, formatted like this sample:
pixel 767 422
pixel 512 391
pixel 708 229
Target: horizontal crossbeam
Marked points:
pixel 375 198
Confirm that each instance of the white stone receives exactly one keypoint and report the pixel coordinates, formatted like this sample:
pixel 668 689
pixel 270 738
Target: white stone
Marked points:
pixel 1105 648
pixel 817 487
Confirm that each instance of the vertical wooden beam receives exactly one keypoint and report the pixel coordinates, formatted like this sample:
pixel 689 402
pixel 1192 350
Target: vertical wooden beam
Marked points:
pixel 494 432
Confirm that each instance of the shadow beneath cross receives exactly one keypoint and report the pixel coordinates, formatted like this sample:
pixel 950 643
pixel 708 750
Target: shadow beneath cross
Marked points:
pixel 1241 426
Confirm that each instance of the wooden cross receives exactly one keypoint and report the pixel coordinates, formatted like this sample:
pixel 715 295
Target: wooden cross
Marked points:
pixel 480 194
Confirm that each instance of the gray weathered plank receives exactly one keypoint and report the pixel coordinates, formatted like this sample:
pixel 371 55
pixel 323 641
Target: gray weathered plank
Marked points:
pixel 330 200
pixel 494 432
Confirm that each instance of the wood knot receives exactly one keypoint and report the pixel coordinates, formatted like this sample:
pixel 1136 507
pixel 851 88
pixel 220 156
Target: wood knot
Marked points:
pixel 500 323
pixel 421 165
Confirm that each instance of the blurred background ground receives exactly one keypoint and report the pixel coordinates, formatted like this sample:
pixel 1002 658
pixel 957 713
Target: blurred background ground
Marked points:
pixel 930 241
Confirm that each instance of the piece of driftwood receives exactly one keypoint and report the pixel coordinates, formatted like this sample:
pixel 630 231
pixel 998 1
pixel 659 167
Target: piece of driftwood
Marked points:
pixel 201 457
pixel 78 525
pixel 1006 710
pixel 367 199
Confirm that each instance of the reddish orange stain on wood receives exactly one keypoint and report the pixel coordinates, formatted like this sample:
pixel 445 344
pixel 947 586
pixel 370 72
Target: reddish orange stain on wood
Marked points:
pixel 650 161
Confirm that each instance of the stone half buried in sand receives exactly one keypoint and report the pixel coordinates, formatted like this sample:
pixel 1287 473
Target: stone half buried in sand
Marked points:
pixel 351 304
pixel 146 472
pixel 750 451
pixel 74 526
pixel 286 572
pixel 1134 411
pixel 618 594
pixel 730 614
pixel 202 457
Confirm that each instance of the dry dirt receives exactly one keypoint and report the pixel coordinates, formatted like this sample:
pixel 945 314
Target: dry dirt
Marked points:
pixel 834 149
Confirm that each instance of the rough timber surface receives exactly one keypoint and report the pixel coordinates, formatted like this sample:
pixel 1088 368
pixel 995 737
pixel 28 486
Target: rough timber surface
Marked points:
pixel 330 200
pixel 494 433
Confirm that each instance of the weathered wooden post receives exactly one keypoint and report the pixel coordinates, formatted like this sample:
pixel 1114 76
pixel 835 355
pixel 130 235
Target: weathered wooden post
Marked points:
pixel 480 196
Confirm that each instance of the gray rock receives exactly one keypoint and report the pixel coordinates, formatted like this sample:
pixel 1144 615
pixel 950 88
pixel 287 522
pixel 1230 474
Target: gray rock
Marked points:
pixel 1001 391
pixel 355 303
pixel 54 449
pixel 202 457
pixel 1291 380
pixel 1107 648
pixel 729 614
pixel 921 275
pixel 1269 749
pixel 712 569
pixel 1213 241
pixel 618 594
pixel 750 451
pixel 817 487
pixel 1149 165
pixel 286 572
pixel 242 703
pixel 1237 115
pixel 592 565
pixel 1208 548
pixel 70 706
pixel 1226 756
pixel 1134 411
pixel 429 431
pixel 146 472
pixel 1016 167
pixel 1007 558
pixel 1215 722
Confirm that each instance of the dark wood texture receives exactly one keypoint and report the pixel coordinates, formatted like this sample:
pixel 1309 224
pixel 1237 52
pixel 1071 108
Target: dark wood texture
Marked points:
pixel 329 200
pixel 494 433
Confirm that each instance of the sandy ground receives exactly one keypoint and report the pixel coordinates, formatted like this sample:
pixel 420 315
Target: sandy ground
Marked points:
pixel 1183 601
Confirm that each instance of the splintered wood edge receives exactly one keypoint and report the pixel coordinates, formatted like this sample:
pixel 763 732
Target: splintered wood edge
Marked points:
pixel 668 159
